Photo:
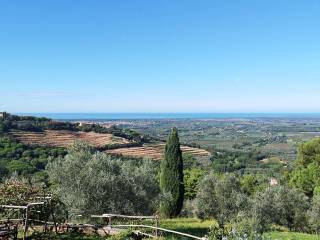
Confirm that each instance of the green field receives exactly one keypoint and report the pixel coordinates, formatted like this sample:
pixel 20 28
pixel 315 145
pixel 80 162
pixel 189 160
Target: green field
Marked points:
pixel 187 225
pixel 292 236
pixel 200 228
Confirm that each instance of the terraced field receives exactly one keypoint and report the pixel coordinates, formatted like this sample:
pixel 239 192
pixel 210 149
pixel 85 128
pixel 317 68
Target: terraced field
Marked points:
pixel 63 138
pixel 155 151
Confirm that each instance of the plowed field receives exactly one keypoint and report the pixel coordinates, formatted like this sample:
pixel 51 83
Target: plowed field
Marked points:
pixel 155 151
pixel 64 138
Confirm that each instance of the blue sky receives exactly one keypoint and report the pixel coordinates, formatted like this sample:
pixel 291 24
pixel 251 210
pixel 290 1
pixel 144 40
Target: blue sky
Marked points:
pixel 160 56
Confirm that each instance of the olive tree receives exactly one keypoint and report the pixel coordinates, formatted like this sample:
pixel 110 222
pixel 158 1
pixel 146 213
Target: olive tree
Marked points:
pixel 314 214
pixel 280 205
pixel 94 183
pixel 220 198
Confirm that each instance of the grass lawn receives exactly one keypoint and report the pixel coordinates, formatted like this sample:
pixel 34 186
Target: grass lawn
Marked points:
pixel 292 236
pixel 191 226
pixel 200 228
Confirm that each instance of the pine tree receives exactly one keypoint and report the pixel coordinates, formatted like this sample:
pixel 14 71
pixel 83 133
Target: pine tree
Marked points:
pixel 171 177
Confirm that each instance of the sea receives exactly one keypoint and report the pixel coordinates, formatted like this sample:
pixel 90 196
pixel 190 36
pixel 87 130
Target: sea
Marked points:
pixel 137 116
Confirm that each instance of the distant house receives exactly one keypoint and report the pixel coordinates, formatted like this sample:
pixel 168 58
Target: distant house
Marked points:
pixel 83 124
pixel 3 114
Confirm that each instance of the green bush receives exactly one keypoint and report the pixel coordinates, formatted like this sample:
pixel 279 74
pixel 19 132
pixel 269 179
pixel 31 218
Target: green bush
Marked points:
pixel 306 175
pixel 236 231
pixel 192 178
pixel 250 184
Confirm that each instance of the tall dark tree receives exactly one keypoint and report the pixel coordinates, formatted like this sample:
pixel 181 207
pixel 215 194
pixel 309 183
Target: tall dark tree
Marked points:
pixel 171 177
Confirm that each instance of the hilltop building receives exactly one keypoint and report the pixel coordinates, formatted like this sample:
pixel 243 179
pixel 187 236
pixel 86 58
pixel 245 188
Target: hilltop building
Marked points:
pixel 3 114
pixel 83 124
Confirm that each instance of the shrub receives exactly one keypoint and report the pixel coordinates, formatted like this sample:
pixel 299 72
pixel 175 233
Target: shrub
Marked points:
pixel 242 230
pixel 250 184
pixel 306 175
pixel 192 178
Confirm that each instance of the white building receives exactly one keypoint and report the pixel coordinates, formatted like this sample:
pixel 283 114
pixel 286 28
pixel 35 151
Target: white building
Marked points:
pixel 3 114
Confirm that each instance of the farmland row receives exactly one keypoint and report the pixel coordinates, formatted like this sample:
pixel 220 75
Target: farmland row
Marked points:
pixel 63 138
pixel 155 151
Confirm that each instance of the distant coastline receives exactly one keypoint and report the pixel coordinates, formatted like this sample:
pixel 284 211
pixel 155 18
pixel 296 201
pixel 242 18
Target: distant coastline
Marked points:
pixel 141 116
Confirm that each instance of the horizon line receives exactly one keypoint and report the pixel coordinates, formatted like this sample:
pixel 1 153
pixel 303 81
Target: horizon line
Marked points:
pixel 124 112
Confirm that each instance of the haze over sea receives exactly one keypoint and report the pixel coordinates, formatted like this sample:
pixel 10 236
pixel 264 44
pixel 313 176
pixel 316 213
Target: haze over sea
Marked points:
pixel 128 116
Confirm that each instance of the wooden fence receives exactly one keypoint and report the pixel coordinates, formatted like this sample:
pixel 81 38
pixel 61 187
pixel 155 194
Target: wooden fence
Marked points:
pixel 27 208
pixel 156 227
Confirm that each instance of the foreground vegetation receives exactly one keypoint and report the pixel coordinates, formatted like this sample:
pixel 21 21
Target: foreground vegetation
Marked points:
pixel 192 226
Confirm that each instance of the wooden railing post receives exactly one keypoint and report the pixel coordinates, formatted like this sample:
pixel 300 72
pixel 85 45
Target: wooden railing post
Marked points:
pixel 54 222
pixel 156 226
pixel 26 223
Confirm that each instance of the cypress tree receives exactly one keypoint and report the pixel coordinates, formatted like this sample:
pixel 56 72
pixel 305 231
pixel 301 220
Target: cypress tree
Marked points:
pixel 171 177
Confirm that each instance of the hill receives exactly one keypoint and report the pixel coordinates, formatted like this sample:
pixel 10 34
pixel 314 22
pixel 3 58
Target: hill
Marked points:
pixel 46 132
pixel 64 138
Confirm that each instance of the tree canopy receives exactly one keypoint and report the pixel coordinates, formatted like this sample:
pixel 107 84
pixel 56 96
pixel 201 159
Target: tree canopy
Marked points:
pixel 94 183
pixel 306 175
